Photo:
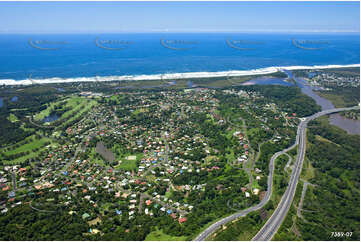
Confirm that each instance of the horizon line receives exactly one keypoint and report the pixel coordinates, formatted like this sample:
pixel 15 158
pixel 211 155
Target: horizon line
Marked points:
pixel 184 31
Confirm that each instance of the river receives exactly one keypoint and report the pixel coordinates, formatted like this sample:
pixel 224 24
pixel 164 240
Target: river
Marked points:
pixel 349 125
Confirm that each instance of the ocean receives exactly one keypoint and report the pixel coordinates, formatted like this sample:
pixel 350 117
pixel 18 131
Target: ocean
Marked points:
pixel 44 56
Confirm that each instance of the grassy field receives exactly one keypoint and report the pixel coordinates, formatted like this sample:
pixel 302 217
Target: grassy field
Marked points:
pixel 47 111
pixel 12 118
pixel 320 138
pixel 158 235
pixel 73 103
pixel 169 193
pixel 28 147
pixel 80 110
pixel 23 158
pixel 140 110
pixel 23 147
pixel 129 164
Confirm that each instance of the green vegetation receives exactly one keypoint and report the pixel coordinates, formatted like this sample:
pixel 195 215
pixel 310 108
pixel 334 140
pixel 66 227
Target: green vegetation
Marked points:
pixel 333 203
pixel 10 132
pixel 158 235
pixel 20 158
pixel 48 110
pixel 128 165
pixel 12 118
pixel 81 107
pixel 342 97
pixel 22 223
pixel 288 98
pixel 34 144
pixel 289 224
pixel 245 228
pixel 203 134
pixel 29 148
pixel 96 157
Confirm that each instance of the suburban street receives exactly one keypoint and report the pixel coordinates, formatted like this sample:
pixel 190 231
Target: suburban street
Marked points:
pixel 272 225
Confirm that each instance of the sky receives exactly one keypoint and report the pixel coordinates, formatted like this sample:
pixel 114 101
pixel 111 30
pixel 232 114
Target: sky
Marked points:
pixel 101 17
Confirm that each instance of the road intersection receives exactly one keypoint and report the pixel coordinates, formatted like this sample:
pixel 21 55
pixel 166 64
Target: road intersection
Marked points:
pixel 274 222
pixel 272 225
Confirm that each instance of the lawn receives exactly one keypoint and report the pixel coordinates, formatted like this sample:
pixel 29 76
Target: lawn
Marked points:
pixel 322 139
pixel 127 165
pixel 24 158
pixel 46 112
pixel 28 147
pixel 12 118
pixel 210 158
pixel 80 110
pixel 73 103
pixel 158 235
pixel 140 110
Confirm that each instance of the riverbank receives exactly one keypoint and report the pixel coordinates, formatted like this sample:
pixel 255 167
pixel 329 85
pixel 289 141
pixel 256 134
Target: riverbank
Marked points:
pixel 349 125
pixel 169 76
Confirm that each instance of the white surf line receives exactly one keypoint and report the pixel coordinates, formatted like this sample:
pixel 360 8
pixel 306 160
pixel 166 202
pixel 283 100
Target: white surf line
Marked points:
pixel 260 71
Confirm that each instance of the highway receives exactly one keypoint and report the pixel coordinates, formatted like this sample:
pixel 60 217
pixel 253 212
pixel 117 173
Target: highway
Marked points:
pixel 274 222
pixel 272 225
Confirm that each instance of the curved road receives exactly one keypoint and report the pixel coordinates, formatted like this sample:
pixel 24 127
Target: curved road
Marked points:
pixel 274 222
pixel 272 225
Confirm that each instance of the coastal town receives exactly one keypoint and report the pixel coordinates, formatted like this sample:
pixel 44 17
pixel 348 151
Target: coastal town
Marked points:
pixel 143 154
pixel 326 80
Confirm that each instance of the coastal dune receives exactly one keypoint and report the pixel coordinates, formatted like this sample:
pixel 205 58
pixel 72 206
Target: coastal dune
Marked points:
pixel 261 71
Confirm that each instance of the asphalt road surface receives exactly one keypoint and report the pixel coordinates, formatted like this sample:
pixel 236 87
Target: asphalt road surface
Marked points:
pixel 272 225
pixel 274 222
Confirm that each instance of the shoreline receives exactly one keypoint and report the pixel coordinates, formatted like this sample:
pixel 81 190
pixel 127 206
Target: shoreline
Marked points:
pixel 254 72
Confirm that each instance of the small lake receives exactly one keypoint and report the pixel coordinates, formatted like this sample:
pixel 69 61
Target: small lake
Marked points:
pixel 1 102
pixel 14 99
pixel 50 118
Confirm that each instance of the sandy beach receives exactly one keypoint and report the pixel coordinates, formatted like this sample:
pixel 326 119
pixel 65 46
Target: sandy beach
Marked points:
pixel 261 71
